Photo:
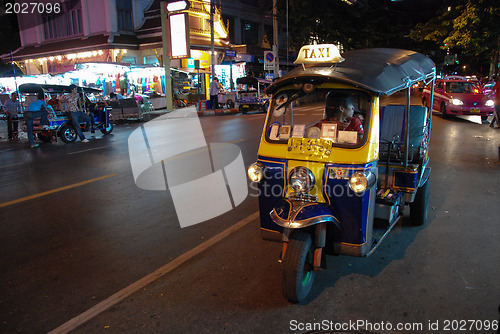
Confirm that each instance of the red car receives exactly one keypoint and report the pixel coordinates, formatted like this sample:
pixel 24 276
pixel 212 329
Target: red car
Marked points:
pixel 458 96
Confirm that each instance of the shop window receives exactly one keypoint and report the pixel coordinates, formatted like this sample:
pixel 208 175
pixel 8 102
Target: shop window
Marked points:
pixel 62 25
pixel 151 60
pixel 128 59
pixel 124 13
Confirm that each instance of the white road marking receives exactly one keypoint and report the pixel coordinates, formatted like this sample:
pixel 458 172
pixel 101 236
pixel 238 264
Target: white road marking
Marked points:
pixel 90 149
pixel 134 287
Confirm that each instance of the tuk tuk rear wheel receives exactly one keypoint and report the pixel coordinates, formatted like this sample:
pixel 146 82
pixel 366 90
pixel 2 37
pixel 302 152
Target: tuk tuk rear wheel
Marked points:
pixel 45 137
pixel 68 133
pixel 419 207
pixel 298 274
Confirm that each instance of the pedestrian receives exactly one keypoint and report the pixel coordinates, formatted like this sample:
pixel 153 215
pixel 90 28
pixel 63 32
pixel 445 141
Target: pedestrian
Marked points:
pixel 496 91
pixel 36 109
pixel 54 102
pixel 214 93
pixel 74 108
pixel 116 96
pixel 12 109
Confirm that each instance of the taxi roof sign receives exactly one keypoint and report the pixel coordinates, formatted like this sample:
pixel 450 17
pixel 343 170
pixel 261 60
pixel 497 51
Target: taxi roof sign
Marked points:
pixel 319 53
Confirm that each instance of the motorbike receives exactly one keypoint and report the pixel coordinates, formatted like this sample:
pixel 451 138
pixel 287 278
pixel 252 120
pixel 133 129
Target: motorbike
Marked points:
pixel 335 167
pixel 60 125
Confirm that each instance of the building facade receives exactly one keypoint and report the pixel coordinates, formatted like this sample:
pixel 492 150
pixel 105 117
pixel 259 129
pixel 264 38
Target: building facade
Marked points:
pixel 122 40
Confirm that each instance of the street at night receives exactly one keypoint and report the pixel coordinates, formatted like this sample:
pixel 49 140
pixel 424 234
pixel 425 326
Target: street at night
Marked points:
pixel 83 245
pixel 250 166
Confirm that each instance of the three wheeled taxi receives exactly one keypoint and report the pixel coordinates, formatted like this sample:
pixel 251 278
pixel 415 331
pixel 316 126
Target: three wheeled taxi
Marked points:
pixel 335 168
pixel 251 94
pixel 60 125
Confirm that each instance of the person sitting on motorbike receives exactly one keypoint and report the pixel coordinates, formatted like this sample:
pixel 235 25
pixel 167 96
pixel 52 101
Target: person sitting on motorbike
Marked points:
pixel 74 108
pixel 34 110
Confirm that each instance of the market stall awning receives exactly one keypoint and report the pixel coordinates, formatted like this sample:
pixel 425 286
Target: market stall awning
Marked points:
pixel 71 46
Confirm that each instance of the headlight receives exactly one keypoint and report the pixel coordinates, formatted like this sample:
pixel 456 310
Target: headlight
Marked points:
pixel 360 182
pixel 490 103
pixel 255 172
pixel 456 102
pixel 301 179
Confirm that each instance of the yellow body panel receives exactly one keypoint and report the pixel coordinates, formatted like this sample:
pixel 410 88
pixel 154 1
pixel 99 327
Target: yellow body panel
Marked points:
pixel 317 168
pixel 367 153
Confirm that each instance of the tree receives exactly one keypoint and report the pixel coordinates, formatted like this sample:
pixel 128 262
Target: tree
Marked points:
pixel 364 24
pixel 471 28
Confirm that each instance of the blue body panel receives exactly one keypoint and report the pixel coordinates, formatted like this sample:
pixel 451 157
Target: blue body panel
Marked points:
pixel 352 210
pixel 271 191
pixel 346 209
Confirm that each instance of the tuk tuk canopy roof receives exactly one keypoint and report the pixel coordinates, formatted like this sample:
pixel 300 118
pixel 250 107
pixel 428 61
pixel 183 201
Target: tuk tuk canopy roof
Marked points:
pixel 252 81
pixel 380 70
pixel 48 88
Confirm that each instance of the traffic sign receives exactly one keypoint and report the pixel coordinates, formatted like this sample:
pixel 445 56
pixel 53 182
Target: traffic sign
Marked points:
pixel 269 60
pixel 230 53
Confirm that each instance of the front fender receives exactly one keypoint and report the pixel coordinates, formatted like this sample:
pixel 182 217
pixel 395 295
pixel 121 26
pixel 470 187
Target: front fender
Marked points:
pixel 299 214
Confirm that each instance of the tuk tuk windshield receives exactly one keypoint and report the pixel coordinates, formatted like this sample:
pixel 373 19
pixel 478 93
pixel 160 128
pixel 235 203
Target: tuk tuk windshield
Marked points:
pixel 339 115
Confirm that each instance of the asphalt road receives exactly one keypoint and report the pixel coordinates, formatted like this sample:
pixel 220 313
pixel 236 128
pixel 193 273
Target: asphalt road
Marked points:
pixel 84 247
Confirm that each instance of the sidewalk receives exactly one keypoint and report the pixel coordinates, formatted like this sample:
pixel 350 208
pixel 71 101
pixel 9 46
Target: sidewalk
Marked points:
pixel 149 115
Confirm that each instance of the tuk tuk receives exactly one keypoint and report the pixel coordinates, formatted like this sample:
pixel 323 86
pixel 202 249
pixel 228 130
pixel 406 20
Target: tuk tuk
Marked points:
pixel 251 94
pixel 60 125
pixel 335 168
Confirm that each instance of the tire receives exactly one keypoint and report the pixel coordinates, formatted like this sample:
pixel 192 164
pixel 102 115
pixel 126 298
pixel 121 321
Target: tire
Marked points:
pixel 298 274
pixel 230 104
pixel 45 137
pixel 68 133
pixel 419 207
pixel 242 110
pixel 443 110
pixel 109 129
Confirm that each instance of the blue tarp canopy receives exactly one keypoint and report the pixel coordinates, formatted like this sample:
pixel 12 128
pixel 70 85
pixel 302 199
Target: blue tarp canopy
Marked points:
pixel 380 70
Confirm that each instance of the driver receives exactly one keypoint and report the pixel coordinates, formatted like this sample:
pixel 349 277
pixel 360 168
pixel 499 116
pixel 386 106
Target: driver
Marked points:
pixel 339 109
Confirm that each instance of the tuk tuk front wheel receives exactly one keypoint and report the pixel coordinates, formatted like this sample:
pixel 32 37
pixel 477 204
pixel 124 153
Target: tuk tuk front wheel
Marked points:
pixel 298 274
pixel 419 207
pixel 108 129
pixel 68 133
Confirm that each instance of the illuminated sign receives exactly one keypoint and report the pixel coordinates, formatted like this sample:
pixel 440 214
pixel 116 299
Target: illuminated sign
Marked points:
pixel 177 6
pixel 320 53
pixel 178 36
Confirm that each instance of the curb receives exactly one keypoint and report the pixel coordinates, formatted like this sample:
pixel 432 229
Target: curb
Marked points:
pixel 218 112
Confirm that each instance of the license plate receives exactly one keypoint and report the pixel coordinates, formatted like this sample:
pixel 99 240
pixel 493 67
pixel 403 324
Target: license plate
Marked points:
pixel 475 110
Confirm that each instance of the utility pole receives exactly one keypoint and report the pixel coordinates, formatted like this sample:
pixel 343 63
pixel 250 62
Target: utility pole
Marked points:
pixel 166 57
pixel 212 48
pixel 275 40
